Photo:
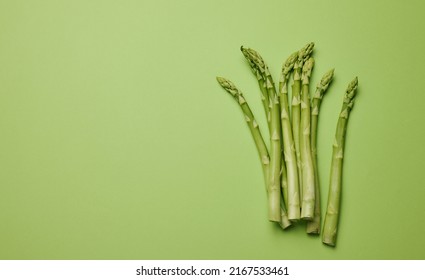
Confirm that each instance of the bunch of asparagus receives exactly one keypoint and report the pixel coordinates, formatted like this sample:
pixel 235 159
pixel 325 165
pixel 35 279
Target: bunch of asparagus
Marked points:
pixel 289 162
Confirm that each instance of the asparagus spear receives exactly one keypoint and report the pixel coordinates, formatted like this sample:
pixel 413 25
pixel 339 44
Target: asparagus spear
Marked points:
pixel 274 190
pixel 313 227
pixel 332 212
pixel 275 150
pixel 308 199
pixel 303 55
pixel 258 139
pixel 292 198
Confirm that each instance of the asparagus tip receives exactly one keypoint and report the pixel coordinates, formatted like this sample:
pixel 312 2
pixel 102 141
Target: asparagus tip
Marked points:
pixel 350 92
pixel 307 68
pixel 327 78
pixel 254 58
pixel 289 63
pixel 352 86
pixel 324 83
pixel 221 80
pixel 228 86
pixel 305 52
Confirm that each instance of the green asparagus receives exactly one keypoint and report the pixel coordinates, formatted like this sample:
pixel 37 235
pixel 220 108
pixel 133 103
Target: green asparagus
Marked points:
pixel 289 163
pixel 292 198
pixel 335 184
pixel 308 199
pixel 303 55
pixel 313 227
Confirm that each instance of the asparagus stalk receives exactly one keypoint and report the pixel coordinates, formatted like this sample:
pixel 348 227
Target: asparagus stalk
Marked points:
pixel 335 184
pixel 313 227
pixel 275 151
pixel 308 200
pixel 284 220
pixel 274 190
pixel 258 139
pixel 292 198
pixel 303 55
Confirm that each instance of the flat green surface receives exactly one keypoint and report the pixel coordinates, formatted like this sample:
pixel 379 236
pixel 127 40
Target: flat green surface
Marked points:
pixel 116 142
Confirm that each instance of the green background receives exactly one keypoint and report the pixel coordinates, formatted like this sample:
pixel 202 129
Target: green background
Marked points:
pixel 116 141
